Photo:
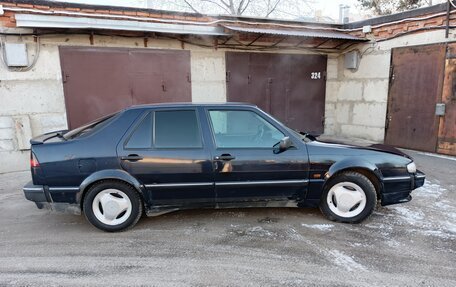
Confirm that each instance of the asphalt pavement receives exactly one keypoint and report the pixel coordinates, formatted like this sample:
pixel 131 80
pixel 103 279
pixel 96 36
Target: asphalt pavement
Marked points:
pixel 412 244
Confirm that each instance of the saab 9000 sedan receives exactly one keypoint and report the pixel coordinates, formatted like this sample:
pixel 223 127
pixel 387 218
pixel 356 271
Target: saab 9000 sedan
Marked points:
pixel 159 158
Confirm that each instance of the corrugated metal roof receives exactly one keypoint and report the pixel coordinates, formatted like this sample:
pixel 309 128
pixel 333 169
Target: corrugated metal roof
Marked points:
pixel 51 21
pixel 296 33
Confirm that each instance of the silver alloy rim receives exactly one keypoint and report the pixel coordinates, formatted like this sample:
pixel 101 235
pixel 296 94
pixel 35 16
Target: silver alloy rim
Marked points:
pixel 111 206
pixel 346 199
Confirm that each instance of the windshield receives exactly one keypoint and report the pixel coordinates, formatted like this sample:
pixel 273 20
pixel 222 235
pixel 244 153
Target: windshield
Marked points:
pixel 90 127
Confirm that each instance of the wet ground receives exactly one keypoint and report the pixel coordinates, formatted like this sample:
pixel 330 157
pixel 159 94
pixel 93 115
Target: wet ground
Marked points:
pixel 412 244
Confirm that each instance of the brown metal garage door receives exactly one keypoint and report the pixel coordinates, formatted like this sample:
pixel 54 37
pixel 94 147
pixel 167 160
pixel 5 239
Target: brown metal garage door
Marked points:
pixel 447 122
pixel 99 81
pixel 415 87
pixel 290 87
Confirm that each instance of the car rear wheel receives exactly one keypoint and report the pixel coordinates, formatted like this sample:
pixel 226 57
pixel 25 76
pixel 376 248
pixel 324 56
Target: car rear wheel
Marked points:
pixel 348 197
pixel 112 206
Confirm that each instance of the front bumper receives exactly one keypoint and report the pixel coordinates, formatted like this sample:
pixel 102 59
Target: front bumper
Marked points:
pixel 42 198
pixel 397 189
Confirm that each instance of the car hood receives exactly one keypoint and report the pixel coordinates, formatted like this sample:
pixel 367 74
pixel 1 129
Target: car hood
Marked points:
pixel 366 146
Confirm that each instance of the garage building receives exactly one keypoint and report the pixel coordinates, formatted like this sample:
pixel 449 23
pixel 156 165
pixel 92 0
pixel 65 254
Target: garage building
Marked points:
pixel 387 79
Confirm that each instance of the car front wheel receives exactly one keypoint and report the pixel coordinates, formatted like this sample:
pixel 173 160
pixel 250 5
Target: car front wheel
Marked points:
pixel 349 197
pixel 112 206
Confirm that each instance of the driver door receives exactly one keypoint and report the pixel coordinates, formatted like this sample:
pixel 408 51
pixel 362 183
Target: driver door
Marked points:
pixel 245 166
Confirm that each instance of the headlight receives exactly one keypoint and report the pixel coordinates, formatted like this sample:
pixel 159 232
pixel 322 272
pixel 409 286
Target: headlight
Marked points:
pixel 411 167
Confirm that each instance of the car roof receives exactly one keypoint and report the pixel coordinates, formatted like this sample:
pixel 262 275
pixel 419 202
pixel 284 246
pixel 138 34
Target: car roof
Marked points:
pixel 191 104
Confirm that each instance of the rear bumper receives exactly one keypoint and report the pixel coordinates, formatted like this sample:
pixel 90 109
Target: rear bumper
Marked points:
pixel 398 189
pixel 35 193
pixel 42 198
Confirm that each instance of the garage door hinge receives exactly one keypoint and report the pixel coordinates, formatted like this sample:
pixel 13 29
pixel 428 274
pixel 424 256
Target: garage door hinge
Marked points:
pixel 163 85
pixel 189 78
pixel 65 76
pixel 228 76
pixel 392 76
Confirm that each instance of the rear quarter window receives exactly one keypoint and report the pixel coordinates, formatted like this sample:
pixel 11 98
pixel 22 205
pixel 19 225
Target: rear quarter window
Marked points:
pixel 142 134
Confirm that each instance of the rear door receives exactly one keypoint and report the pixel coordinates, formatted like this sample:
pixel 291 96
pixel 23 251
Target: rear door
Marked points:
pixel 165 151
pixel 246 168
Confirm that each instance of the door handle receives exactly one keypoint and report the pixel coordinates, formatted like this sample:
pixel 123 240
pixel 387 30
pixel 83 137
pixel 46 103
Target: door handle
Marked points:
pixel 225 156
pixel 132 157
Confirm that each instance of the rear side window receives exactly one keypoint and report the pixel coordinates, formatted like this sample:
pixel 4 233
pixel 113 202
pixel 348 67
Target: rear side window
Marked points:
pixel 177 129
pixel 142 136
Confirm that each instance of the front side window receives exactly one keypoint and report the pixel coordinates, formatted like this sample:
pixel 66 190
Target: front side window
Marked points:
pixel 177 129
pixel 243 129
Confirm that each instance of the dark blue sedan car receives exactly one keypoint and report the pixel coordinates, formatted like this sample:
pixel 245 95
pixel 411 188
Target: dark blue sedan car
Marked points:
pixel 159 158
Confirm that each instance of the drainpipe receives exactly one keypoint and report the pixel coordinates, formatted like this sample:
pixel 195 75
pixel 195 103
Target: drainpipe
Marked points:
pixel 447 28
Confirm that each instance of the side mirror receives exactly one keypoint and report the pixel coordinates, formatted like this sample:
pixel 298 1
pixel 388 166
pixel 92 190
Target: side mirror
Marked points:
pixel 282 145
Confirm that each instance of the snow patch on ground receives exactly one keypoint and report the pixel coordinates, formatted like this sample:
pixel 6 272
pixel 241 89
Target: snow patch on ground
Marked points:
pixel 450 226
pixel 393 243
pixel 357 244
pixel 430 214
pixel 378 226
pixel 448 210
pixel 412 217
pixel 321 227
pixel 429 189
pixel 435 233
pixel 345 261
pixel 294 234
pixel 260 231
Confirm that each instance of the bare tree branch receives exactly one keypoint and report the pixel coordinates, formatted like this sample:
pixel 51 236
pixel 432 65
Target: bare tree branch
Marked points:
pixel 273 8
pixel 239 8
pixel 215 3
pixel 245 7
pixel 250 7
pixel 233 11
pixel 191 7
pixel 225 3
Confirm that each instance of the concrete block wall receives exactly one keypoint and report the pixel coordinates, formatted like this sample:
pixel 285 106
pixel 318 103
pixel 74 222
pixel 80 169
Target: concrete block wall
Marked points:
pixel 356 101
pixel 31 103
pixel 208 76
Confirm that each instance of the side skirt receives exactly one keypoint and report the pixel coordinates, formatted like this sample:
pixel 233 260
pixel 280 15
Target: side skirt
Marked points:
pixel 157 211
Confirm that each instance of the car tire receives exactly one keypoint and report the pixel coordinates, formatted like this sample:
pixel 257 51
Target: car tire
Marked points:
pixel 112 205
pixel 348 197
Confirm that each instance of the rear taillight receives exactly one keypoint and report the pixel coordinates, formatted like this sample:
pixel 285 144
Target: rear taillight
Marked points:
pixel 33 161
